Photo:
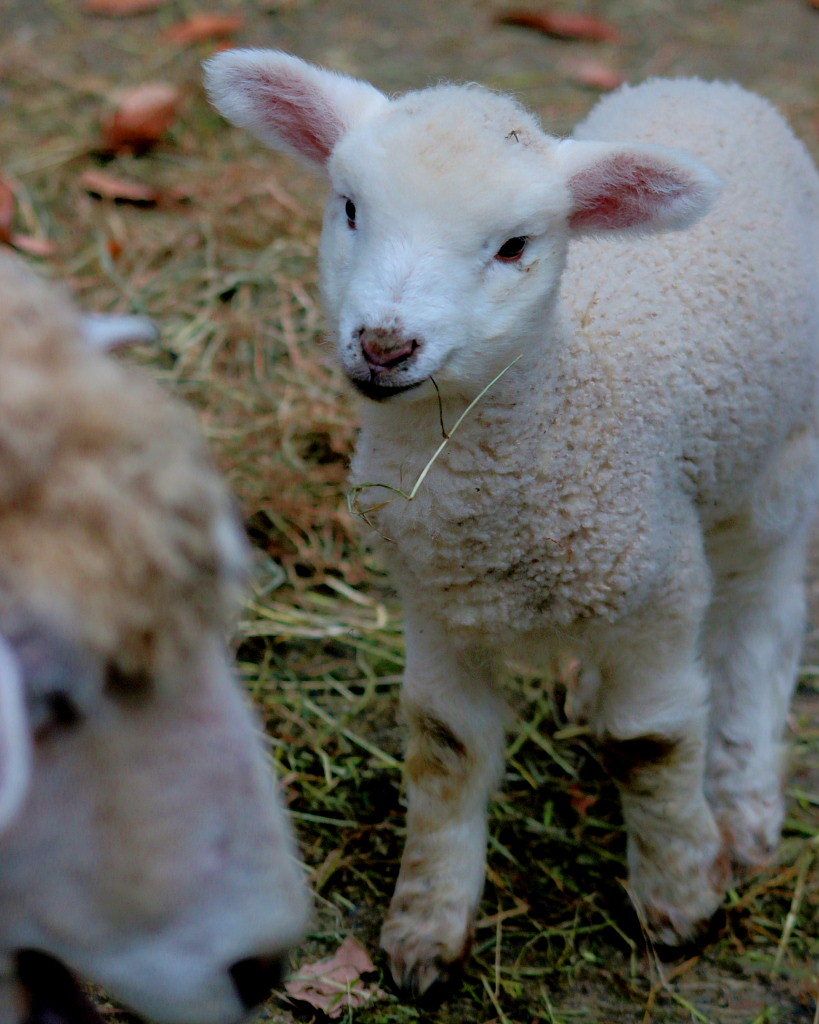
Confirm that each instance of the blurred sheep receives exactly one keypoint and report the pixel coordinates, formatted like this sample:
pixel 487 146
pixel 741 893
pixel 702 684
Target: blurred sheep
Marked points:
pixel 142 841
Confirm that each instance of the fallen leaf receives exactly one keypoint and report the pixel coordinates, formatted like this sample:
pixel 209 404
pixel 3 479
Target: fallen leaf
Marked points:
pixel 563 25
pixel 34 245
pixel 7 205
pixel 121 8
pixel 581 801
pixel 593 73
pixel 334 985
pixel 107 186
pixel 115 248
pixel 203 26
pixel 141 118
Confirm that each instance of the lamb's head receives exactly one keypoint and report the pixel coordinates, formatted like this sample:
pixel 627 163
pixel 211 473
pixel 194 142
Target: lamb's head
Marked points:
pixel 450 215
pixel 142 842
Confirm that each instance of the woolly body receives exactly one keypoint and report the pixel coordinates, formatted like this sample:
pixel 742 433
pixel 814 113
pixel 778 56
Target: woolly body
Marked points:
pixel 677 369
pixel 84 486
pixel 638 483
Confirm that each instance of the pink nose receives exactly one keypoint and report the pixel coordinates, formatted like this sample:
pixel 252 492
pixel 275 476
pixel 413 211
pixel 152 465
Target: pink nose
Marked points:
pixel 384 349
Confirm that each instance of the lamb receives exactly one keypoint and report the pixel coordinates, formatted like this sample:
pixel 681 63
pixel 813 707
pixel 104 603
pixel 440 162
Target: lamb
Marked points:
pixel 635 488
pixel 142 842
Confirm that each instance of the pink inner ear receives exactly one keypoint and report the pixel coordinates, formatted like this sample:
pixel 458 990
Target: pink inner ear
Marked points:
pixel 623 191
pixel 296 111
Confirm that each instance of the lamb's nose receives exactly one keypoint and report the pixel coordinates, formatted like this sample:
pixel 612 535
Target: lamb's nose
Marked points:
pixel 256 977
pixel 383 351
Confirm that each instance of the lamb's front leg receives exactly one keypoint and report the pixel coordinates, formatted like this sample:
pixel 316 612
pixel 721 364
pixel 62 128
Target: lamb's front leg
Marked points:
pixel 652 725
pixel 454 757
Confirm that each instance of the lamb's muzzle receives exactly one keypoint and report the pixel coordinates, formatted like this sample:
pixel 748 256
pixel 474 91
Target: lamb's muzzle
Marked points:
pixel 50 994
pixel 385 350
pixel 382 362
pixel 255 978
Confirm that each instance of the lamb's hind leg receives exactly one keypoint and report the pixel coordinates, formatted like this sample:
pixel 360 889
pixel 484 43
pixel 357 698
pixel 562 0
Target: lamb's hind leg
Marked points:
pixel 752 645
pixel 454 756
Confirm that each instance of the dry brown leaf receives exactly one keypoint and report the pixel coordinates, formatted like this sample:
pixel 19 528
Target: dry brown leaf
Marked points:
pixel 115 248
pixel 199 28
pixel 593 73
pixel 121 8
pixel 34 245
pixel 581 801
pixel 107 186
pixel 334 985
pixel 141 118
pixel 7 205
pixel 563 25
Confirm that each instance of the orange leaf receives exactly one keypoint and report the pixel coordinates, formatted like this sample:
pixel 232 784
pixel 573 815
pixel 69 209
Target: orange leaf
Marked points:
pixel 121 8
pixel 115 248
pixel 142 117
pixel 108 187
pixel 581 801
pixel 7 204
pixel 563 25
pixel 203 26
pixel 593 73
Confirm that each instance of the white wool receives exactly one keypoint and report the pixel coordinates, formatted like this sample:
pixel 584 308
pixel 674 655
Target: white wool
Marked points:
pixel 636 486
pixel 681 365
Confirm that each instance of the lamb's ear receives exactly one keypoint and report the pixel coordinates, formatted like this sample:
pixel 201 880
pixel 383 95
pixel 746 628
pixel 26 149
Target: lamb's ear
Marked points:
pixel 287 103
pixel 634 188
pixel 15 737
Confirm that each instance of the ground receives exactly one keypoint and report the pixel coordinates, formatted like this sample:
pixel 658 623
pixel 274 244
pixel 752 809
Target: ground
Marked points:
pixel 225 262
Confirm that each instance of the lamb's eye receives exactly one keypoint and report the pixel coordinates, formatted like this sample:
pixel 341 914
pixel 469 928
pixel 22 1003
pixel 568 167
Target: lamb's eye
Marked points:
pixel 512 249
pixel 349 209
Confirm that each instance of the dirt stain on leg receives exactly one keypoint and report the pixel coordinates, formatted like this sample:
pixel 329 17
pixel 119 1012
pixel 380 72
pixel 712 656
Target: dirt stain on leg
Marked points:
pixel 634 763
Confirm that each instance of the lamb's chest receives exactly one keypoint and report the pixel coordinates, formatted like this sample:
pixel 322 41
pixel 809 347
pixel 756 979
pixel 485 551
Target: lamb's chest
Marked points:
pixel 498 540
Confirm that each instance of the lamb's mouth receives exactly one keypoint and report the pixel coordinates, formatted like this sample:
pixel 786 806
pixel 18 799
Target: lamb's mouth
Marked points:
pixel 379 392
pixel 51 994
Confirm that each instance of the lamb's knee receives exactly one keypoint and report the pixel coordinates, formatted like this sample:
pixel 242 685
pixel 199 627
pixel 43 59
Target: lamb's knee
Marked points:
pixel 436 754
pixel 440 736
pixel 640 764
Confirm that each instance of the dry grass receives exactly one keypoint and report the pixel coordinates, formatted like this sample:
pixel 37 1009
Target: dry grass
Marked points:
pixel 228 271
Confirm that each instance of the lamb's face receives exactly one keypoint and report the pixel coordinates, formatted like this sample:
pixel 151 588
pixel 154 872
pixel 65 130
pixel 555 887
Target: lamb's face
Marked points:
pixel 446 234
pixel 151 854
pixel 444 239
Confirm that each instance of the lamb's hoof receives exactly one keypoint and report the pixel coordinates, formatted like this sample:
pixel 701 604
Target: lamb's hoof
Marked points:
pixel 678 908
pixel 674 933
pixel 751 830
pixel 425 954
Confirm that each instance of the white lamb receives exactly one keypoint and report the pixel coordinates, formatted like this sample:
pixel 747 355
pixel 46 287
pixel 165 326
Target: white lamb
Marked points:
pixel 142 842
pixel 637 488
